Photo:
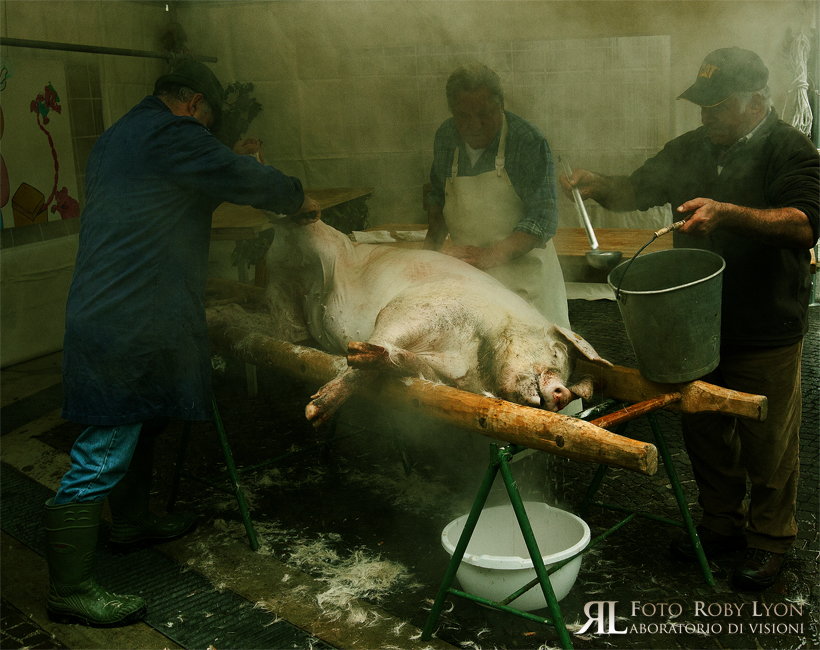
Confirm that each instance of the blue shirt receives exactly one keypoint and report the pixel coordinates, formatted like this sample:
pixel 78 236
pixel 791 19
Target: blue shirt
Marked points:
pixel 528 161
pixel 136 343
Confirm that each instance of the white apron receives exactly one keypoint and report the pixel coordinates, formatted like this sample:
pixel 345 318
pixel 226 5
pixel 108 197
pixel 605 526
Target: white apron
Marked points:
pixel 483 210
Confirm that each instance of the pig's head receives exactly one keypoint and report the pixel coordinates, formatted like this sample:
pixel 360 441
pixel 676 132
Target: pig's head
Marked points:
pixel 533 369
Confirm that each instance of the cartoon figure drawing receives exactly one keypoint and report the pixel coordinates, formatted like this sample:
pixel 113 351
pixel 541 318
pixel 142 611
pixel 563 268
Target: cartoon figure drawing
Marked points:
pixel 65 205
pixel 29 204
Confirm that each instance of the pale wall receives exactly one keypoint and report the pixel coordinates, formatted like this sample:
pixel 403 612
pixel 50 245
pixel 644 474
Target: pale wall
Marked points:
pixel 353 90
pixel 101 88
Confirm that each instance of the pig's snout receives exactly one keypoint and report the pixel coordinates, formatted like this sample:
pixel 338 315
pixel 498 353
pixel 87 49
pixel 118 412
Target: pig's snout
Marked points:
pixel 554 395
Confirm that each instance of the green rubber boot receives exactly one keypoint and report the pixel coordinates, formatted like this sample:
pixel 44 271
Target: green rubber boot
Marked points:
pixel 133 525
pixel 73 595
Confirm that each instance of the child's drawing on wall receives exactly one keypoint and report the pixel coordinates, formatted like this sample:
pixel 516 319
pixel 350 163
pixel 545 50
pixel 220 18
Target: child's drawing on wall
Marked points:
pixel 37 178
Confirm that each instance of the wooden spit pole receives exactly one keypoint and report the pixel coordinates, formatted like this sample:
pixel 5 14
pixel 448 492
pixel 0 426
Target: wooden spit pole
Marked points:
pixel 495 418
pixel 696 396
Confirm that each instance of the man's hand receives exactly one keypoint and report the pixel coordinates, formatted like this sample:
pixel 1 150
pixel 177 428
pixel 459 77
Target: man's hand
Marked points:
pixel 250 147
pixel 782 227
pixel 481 258
pixel 612 192
pixel 436 228
pixel 517 244
pixel 706 216
pixel 587 183
pixel 308 213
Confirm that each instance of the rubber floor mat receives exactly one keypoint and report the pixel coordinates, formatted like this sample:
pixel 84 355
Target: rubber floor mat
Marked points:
pixel 182 604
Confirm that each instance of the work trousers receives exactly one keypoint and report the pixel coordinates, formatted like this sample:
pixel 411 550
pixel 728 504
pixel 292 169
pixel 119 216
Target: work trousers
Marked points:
pixel 100 457
pixel 725 451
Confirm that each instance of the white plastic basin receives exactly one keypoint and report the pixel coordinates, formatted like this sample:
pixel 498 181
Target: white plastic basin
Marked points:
pixel 497 563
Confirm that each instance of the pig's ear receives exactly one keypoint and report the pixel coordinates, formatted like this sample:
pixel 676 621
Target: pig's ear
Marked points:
pixel 584 348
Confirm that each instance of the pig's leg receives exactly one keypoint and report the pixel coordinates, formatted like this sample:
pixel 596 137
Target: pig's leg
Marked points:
pixel 370 356
pixel 335 393
pixel 583 388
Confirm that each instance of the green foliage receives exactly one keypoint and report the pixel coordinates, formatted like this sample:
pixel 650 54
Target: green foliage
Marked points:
pixel 347 217
pixel 239 111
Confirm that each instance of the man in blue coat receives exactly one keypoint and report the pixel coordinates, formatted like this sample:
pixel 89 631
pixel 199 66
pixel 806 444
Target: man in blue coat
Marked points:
pixel 136 349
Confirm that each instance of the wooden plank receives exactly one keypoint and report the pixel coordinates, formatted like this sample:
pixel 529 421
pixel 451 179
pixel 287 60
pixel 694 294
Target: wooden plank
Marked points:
pixel 228 291
pixel 632 411
pixel 328 198
pixel 696 396
pixel 235 222
pixel 573 242
pixel 495 418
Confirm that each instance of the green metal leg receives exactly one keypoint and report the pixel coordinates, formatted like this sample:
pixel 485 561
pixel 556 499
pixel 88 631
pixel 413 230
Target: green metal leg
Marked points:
pixel 592 490
pixel 597 479
pixel 535 554
pixel 398 443
pixel 237 488
pixel 183 447
pixel 461 547
pixel 660 442
pixel 499 462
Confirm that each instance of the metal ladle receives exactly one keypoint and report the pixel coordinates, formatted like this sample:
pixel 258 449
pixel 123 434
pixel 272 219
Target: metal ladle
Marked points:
pixel 596 258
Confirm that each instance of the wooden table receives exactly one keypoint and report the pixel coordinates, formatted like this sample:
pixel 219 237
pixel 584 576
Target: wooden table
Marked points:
pixel 572 245
pixel 236 222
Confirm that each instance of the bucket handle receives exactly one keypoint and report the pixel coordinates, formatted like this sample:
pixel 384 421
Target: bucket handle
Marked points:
pixel 658 233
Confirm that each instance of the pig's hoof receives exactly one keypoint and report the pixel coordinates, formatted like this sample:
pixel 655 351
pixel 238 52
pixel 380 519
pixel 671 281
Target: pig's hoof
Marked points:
pixel 317 413
pixel 365 355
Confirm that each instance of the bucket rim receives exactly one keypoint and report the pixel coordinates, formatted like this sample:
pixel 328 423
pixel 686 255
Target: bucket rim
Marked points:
pixel 675 288
pixel 514 561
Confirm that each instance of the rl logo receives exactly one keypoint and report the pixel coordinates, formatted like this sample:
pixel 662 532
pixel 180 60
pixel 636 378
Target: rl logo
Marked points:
pixel 603 613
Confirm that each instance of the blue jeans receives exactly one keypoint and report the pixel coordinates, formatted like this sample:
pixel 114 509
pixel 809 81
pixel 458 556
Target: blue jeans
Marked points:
pixel 99 459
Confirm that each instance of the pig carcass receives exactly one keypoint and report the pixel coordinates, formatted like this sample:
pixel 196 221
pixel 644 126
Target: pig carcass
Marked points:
pixel 416 313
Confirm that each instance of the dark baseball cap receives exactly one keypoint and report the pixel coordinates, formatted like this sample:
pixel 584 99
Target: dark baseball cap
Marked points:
pixel 200 78
pixel 725 72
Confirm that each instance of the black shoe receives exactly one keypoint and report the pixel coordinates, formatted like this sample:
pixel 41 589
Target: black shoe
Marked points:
pixel 758 570
pixel 713 544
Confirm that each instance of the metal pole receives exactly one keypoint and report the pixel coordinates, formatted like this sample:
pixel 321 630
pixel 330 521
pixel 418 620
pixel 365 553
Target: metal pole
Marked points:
pixel 461 546
pixel 93 49
pixel 535 554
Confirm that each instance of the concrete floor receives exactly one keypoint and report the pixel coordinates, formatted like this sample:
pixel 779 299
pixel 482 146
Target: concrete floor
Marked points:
pixel 24 575
pixel 638 565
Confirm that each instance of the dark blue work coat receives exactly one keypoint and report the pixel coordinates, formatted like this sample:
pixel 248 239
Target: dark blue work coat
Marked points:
pixel 136 342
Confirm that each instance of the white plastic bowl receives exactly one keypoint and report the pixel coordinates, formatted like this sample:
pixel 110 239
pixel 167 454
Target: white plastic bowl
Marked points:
pixel 497 563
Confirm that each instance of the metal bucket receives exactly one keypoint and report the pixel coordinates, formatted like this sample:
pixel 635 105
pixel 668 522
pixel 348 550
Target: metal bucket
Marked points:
pixel 670 302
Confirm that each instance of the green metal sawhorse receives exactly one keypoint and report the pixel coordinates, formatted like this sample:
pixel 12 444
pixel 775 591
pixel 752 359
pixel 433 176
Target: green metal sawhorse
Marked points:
pixel 231 470
pixel 500 458
pixel 233 475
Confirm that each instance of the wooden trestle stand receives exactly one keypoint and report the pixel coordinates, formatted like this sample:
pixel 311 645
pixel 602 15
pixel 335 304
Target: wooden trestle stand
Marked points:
pixel 584 438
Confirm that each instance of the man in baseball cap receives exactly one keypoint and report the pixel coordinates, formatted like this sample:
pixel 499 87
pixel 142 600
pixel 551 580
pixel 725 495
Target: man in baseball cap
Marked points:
pixel 725 72
pixel 748 186
pixel 199 78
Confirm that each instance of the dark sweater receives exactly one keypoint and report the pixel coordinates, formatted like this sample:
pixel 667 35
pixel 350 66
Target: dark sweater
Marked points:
pixel 766 289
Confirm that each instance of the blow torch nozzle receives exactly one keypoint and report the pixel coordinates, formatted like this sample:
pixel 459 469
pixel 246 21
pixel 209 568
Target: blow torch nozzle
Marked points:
pixel 667 229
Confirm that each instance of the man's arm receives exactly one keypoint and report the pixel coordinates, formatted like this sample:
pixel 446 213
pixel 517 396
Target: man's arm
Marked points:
pixel 437 230
pixel 612 192
pixel 514 246
pixel 780 227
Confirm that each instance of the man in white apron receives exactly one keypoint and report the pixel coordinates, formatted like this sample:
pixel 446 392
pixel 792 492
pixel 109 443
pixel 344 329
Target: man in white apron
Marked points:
pixel 494 192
